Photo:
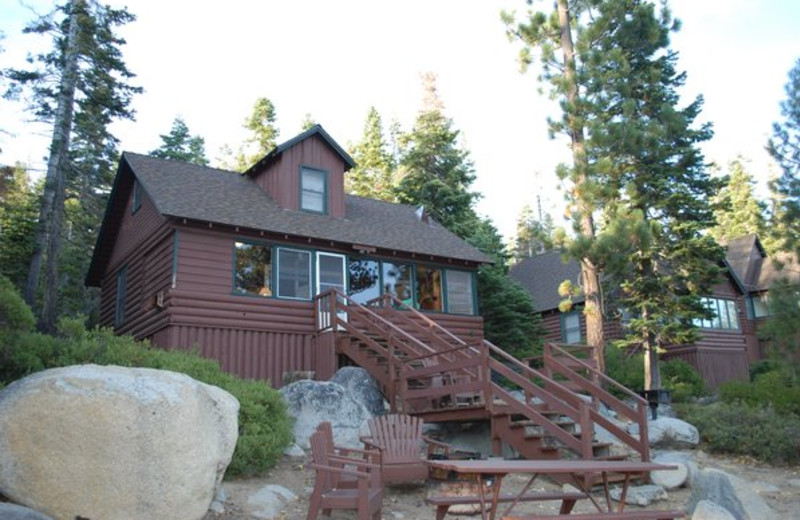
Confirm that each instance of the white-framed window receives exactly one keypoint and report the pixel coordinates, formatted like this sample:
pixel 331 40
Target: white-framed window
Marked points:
pixel 460 297
pixel 726 314
pixel 331 272
pixel 571 327
pixel 313 190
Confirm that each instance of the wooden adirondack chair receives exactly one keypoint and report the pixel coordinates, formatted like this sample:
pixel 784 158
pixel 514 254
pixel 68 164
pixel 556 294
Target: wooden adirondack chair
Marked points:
pixel 399 439
pixel 330 492
pixel 345 480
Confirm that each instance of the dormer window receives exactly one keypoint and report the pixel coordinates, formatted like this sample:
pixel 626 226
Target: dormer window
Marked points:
pixel 313 190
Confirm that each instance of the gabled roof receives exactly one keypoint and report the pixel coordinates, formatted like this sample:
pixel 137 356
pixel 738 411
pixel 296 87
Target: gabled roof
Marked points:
pixel 199 193
pixel 276 152
pixel 757 271
pixel 541 275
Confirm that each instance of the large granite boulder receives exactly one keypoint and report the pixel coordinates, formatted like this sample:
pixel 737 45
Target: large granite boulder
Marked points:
pixel 362 387
pixel 115 443
pixel 731 493
pixel 668 432
pixel 312 402
pixel 14 512
pixel 708 510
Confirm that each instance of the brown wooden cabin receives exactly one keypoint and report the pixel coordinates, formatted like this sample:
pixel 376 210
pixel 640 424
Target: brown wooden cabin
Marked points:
pixel 193 257
pixel 724 351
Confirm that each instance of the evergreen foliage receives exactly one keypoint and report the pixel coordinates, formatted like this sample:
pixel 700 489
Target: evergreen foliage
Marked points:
pixel 784 146
pixel 262 139
pixel 534 234
pixel 373 176
pixel 782 328
pixel 180 145
pixel 18 212
pixel 738 213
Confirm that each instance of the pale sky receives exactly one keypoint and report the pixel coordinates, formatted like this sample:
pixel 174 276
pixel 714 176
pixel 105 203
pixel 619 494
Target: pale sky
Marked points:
pixel 209 61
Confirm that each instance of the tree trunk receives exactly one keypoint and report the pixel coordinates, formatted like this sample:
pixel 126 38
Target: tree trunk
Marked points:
pixel 50 215
pixel 589 274
pixel 652 375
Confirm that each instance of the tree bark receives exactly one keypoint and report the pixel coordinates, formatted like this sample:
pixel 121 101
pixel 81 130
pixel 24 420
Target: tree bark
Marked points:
pixel 590 279
pixel 51 212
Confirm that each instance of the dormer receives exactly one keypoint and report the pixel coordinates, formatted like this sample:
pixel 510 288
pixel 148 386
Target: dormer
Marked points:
pixel 305 173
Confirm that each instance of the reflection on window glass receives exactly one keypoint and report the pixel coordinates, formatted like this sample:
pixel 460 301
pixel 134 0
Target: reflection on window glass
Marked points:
pixel 760 306
pixel 364 280
pixel 253 269
pixel 571 328
pixel 397 281
pixel 459 292
pixel 312 190
pixel 726 314
pixel 429 288
pixel 294 274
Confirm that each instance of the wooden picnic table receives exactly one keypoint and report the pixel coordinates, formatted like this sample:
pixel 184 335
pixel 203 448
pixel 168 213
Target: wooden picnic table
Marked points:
pixel 576 470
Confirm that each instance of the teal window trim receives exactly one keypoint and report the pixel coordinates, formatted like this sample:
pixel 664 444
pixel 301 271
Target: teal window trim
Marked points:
pixel 272 279
pixel 137 196
pixel 119 307
pixel 325 188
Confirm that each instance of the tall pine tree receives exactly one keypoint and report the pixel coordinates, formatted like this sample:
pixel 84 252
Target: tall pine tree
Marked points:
pixel 78 87
pixel 262 139
pixel 180 145
pixel 373 176
pixel 739 212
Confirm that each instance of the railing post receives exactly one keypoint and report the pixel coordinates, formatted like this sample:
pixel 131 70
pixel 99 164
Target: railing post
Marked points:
pixel 485 372
pixel 587 432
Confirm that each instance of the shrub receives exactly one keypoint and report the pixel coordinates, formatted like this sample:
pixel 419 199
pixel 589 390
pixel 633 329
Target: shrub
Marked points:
pixel 683 380
pixel 776 389
pixel 264 425
pixel 738 429
pixel 625 369
pixel 763 366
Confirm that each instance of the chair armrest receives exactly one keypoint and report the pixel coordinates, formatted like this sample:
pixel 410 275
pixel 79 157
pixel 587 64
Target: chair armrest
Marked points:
pixel 342 471
pixel 370 444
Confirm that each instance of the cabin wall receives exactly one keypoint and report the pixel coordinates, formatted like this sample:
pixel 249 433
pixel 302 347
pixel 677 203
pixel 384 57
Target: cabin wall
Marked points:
pixel 282 179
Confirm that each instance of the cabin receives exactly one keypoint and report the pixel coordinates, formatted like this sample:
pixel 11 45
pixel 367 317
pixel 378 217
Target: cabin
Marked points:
pixel 192 257
pixel 727 343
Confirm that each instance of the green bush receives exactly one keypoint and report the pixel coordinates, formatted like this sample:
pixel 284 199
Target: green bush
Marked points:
pixel 683 380
pixel 265 428
pixel 738 429
pixel 776 389
pixel 625 369
pixel 763 366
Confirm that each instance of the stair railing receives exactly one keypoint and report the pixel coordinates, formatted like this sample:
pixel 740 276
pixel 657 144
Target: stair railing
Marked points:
pixel 589 384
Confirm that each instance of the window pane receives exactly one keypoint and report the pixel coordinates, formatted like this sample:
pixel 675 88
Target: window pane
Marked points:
pixel 294 274
pixel 253 269
pixel 119 311
pixel 312 190
pixel 397 281
pixel 760 306
pixel 364 280
pixel 571 328
pixel 459 292
pixel 733 315
pixel 331 272
pixel 429 288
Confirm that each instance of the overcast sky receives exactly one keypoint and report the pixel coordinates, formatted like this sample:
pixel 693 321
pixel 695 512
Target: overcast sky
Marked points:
pixel 209 61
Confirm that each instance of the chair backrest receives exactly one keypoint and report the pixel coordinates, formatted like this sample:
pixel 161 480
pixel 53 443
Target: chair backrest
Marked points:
pixel 399 435
pixel 320 449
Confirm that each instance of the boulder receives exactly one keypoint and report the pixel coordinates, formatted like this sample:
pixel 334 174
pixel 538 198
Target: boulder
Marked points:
pixel 708 510
pixel 104 442
pixel 267 502
pixel 15 512
pixel 668 432
pixel 312 402
pixel 641 495
pixel 729 492
pixel 362 387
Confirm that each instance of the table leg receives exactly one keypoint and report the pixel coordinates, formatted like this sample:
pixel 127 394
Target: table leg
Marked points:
pixel 582 487
pixel 521 494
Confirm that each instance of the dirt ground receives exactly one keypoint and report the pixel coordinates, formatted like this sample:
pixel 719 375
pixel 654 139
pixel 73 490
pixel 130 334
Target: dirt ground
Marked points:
pixel 408 502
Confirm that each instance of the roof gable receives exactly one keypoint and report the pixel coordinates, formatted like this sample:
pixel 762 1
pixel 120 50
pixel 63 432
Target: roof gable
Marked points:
pixel 315 130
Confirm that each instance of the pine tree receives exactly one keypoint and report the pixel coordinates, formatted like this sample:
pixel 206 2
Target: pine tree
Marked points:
pixel 262 139
pixel 435 172
pixel 738 211
pixel 18 212
pixel 534 234
pixel 79 87
pixel 180 145
pixel 784 146
pixel 373 176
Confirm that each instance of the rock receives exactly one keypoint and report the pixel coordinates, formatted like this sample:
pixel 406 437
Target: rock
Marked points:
pixel 312 402
pixel 103 442
pixel 795 482
pixel 671 478
pixel 641 495
pixel 730 493
pixel 667 432
pixel 678 458
pixel 269 501
pixel 362 387
pixel 708 510
pixel 218 504
pixel 294 451
pixel 14 512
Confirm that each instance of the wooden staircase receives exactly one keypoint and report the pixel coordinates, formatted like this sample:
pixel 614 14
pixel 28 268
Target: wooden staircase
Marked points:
pixel 424 370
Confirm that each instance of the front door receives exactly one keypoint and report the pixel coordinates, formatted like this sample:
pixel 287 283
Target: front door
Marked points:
pixel 331 275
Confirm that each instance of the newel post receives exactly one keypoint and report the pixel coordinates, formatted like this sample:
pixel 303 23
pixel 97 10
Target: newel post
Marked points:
pixel 587 431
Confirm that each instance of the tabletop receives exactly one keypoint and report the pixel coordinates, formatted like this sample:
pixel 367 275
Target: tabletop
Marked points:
pixel 501 466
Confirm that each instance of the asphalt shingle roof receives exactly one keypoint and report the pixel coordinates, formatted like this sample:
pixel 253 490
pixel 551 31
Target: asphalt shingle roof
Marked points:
pixel 758 271
pixel 200 193
pixel 541 275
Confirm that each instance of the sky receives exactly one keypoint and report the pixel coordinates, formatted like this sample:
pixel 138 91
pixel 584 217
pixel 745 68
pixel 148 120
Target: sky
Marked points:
pixel 209 61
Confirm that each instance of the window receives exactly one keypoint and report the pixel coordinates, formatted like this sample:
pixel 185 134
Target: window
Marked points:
pixel 760 306
pixel 460 299
pixel 571 327
pixel 726 314
pixel 137 196
pixel 330 272
pixel 365 282
pixel 119 310
pixel 313 190
pixel 252 269
pixel 294 274
pixel 397 281
pixel 429 288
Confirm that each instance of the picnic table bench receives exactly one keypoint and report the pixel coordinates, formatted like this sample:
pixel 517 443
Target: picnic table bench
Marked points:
pixel 443 502
pixel 615 515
